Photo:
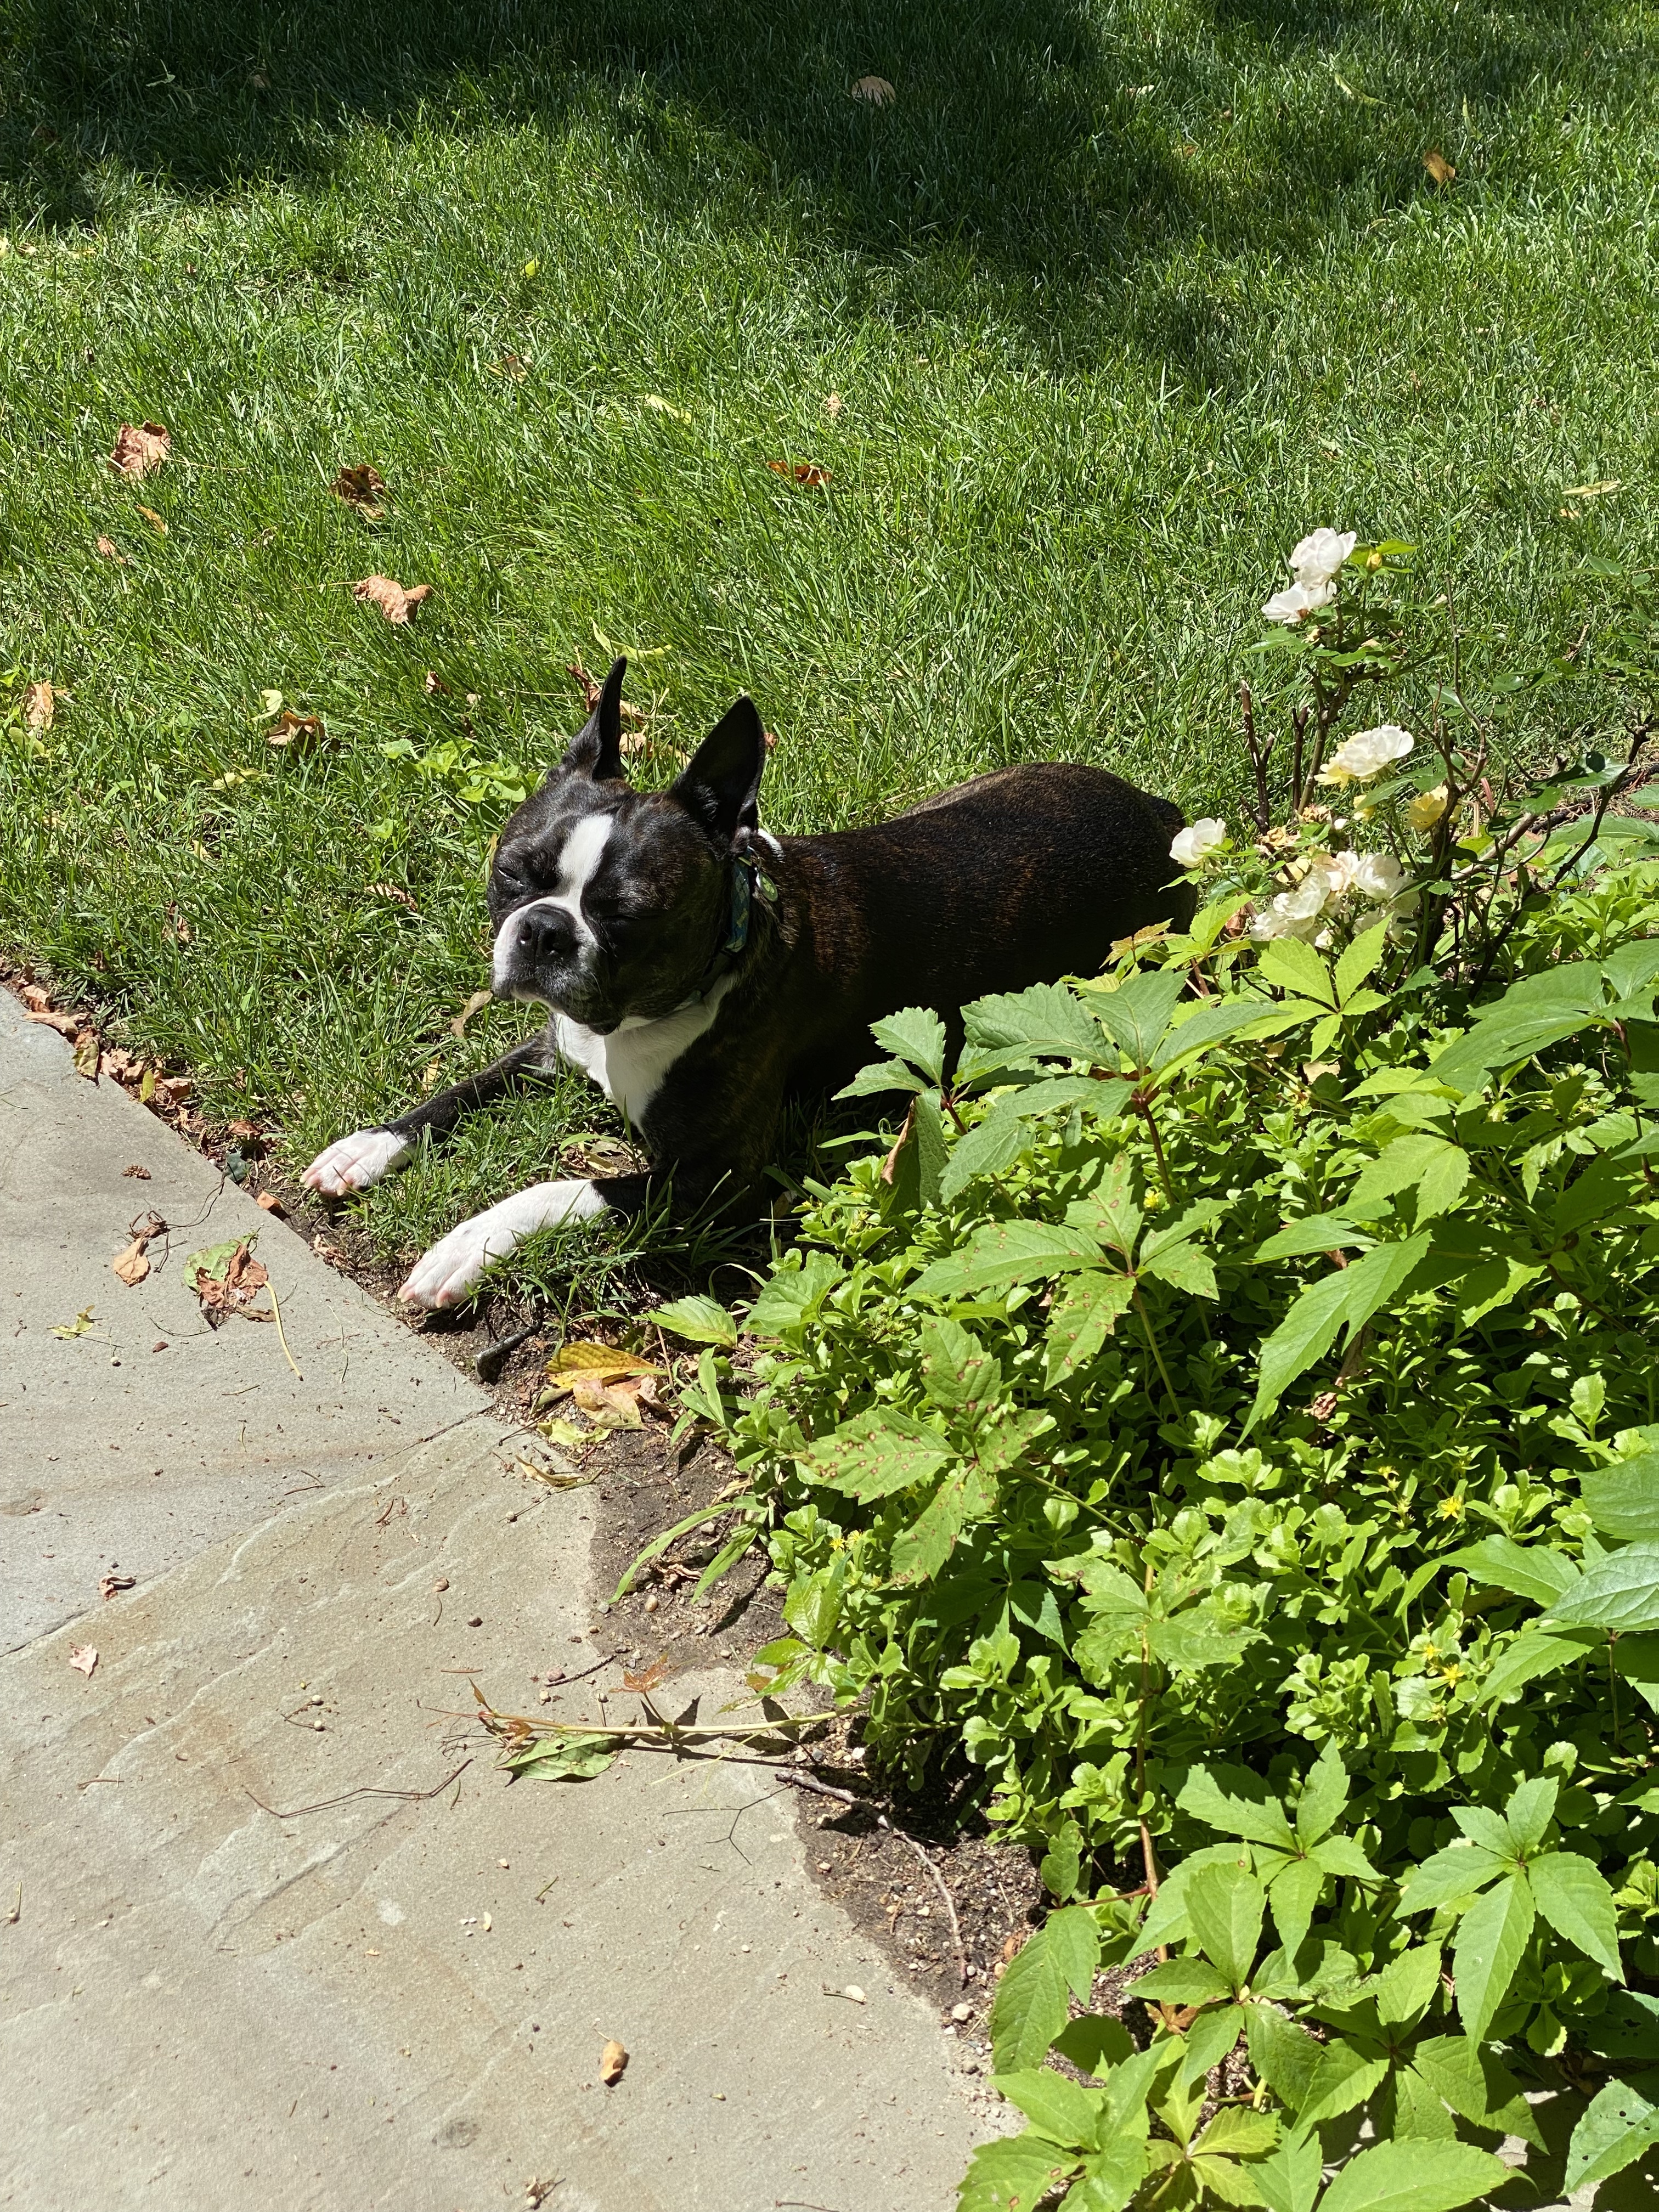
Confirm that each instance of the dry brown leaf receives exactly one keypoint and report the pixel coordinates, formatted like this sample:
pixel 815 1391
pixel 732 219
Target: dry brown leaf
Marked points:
pixel 1323 1405
pixel 1439 167
pixel 613 2061
pixel 272 1204
pixel 362 487
pixel 635 716
pixel 137 451
pixel 154 520
pixel 876 90
pixel 475 1005
pixel 833 405
pixel 432 683
pixel 65 1025
pixel 131 1266
pixel 390 596
pixel 39 703
pixel 807 473
pixel 83 1658
pixel 35 997
pixel 297 734
pixel 608 1404
pixel 391 891
pixel 140 1175
pixel 112 1585
pixel 88 1052
pixel 603 1362
pixel 111 550
pixel 227 1284
pixel 652 1678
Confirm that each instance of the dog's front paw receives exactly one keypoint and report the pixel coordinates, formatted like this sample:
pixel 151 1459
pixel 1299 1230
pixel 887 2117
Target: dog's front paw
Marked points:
pixel 354 1163
pixel 454 1267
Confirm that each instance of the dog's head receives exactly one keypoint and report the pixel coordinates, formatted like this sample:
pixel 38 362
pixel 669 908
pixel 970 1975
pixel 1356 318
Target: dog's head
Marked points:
pixel 609 903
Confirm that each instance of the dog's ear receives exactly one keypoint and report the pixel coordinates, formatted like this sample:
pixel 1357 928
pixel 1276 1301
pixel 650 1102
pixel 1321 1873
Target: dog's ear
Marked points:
pixel 721 786
pixel 596 750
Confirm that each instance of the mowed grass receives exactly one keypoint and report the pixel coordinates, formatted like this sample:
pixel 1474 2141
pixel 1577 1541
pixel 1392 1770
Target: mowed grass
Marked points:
pixel 1104 309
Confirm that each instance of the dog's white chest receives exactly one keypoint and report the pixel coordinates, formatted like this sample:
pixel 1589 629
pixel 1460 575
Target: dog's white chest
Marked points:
pixel 629 1066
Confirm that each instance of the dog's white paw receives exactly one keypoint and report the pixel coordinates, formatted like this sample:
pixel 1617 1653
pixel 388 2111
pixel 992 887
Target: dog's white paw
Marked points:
pixel 454 1267
pixel 354 1163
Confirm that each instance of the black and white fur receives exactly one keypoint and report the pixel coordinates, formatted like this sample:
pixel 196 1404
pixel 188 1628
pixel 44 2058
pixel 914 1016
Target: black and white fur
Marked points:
pixel 701 970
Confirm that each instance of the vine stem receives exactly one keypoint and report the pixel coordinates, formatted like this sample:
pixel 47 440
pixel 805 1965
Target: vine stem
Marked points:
pixel 1143 1106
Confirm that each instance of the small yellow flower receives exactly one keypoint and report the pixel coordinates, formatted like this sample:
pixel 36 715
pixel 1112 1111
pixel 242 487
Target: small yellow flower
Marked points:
pixel 1426 809
pixel 1450 1509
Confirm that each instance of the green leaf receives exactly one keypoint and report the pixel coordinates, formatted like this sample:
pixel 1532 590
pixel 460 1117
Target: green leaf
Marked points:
pixel 1422 1162
pixel 1619 2125
pixel 1005 1251
pixel 1623 1500
pixel 1466 1064
pixel 1476 2084
pixel 957 1373
pixel 1084 1313
pixel 1137 1015
pixel 1182 1981
pixel 1236 1803
pixel 1047 1018
pixel 1343 2078
pixel 1293 1894
pixel 1289 2180
pixel 701 1320
pixel 1345 1299
pixel 1315 1232
pixel 1238 2132
pixel 1031 2007
pixel 1340 1854
pixel 1324 1793
pixel 1224 1910
pixel 1110 2177
pixel 1295 967
pixel 1530 1810
pixel 1283 2054
pixel 915 1034
pixel 1073 1941
pixel 1005 1134
pixel 920 1550
pixel 1095 2043
pixel 1057 2107
pixel 1209 2039
pixel 876 1453
pixel 1062 1864
pixel 1620 1593
pixel 1413 2177
pixel 1533 1571
pixel 932 1153
pixel 1406 1985
pixel 567 1759
pixel 879 1076
pixel 1636 1658
pixel 1361 960
pixel 1575 1898
pixel 1213 1024
pixel 1012 2175
pixel 1530 1656
pixel 813 1606
pixel 1456 1872
pixel 790 1296
pixel 1491 1942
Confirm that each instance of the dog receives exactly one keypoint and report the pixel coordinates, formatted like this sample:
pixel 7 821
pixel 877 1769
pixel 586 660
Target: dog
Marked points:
pixel 702 970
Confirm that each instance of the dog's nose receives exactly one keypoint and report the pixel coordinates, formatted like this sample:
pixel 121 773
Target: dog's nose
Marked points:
pixel 547 934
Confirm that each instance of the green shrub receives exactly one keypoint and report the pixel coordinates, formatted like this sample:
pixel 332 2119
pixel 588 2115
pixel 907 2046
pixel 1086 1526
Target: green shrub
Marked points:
pixel 1227 1415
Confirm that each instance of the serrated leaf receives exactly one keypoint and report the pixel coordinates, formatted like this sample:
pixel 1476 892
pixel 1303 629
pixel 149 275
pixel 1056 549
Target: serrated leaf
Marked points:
pixel 1574 1897
pixel 915 1034
pixel 1084 1313
pixel 1011 2174
pixel 701 1320
pixel 957 1373
pixel 1533 1571
pixel 1315 1232
pixel 1456 1872
pixel 1005 1134
pixel 1530 1809
pixel 1005 1252
pixel 874 1454
pixel 1475 2083
pixel 1294 966
pixel 1413 2177
pixel 1045 1019
pixel 1619 2124
pixel 1422 1162
pixel 1619 1592
pixel 1184 1981
pixel 1529 1656
pixel 881 1077
pixel 1344 1299
pixel 1074 1941
pixel 1623 1500
pixel 1293 1896
pixel 1324 1793
pixel 1058 2108
pixel 1361 960
pixel 1030 2009
pixel 1406 1985
pixel 1211 1026
pixel 1109 2178
pixel 1490 1943
pixel 1095 2043
pixel 1225 1906
pixel 1137 1015
pixel 1340 1854
pixel 1289 2180
pixel 922 1548
pixel 1283 2054
pixel 1238 2132
pixel 1343 2078
pixel 1236 1803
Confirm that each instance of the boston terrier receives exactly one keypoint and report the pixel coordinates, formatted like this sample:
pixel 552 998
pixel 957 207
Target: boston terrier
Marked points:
pixel 701 970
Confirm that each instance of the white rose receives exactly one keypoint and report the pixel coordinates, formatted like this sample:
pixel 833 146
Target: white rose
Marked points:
pixel 1317 558
pixel 1367 754
pixel 1193 846
pixel 1378 877
pixel 1296 600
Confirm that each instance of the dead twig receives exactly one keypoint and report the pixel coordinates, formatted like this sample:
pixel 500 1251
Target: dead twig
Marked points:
pixel 949 1908
pixel 276 1316
pixel 412 1796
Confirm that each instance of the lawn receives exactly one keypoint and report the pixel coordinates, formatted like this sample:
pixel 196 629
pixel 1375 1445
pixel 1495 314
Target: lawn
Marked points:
pixel 1103 309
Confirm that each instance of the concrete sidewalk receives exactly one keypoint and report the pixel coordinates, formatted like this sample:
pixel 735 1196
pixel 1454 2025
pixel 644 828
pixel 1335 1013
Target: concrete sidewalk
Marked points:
pixel 385 2001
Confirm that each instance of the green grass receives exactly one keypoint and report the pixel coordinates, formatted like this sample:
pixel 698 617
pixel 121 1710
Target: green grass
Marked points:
pixel 1117 301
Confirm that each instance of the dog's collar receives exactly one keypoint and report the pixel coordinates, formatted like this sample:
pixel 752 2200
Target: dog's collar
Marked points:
pixel 749 882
